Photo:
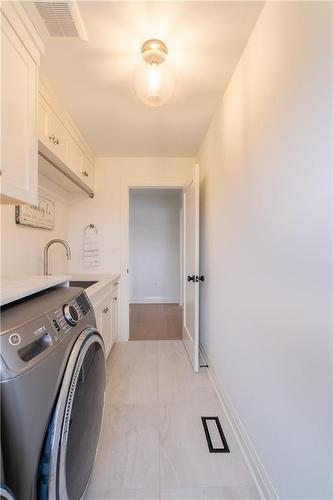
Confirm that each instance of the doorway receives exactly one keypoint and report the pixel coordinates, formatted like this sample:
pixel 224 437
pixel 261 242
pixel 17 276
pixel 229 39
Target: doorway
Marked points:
pixel 155 264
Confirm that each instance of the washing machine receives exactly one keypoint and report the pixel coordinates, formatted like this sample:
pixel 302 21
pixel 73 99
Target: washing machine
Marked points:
pixel 52 394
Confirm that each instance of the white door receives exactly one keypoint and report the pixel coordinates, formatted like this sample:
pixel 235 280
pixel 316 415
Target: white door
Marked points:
pixel 191 268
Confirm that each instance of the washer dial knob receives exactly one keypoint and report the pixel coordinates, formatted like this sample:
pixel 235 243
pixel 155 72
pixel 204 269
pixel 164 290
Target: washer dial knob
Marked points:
pixel 71 314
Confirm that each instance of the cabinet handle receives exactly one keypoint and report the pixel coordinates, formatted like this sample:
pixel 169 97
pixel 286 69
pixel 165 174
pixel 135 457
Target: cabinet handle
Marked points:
pixel 105 310
pixel 85 173
pixel 115 298
pixel 54 139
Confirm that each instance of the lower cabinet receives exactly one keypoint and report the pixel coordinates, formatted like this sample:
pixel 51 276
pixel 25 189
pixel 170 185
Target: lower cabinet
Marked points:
pixel 115 312
pixel 104 322
pixel 106 312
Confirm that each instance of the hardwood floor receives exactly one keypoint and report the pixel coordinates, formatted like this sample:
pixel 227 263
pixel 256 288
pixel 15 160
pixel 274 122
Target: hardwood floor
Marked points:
pixel 155 321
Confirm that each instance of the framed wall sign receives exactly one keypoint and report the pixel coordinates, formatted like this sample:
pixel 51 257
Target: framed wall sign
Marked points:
pixel 41 215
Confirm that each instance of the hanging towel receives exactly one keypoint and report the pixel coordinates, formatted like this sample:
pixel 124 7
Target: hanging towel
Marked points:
pixel 91 250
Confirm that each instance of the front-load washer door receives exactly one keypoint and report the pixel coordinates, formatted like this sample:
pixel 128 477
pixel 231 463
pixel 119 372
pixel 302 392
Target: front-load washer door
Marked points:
pixel 72 438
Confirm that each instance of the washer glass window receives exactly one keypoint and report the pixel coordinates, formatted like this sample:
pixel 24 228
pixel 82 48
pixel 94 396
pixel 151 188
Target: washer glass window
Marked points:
pixel 84 422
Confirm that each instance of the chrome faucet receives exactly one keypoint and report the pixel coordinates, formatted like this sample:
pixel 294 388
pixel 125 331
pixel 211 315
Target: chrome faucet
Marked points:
pixel 46 253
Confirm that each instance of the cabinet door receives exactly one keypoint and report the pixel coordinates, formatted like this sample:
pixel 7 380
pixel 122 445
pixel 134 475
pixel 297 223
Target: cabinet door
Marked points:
pixel 74 157
pixel 51 131
pixel 43 121
pixel 87 172
pixel 103 314
pixel 58 136
pixel 115 316
pixel 19 176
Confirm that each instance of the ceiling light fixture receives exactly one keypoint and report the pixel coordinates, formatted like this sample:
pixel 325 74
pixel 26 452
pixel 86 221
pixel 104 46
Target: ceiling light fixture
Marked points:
pixel 154 80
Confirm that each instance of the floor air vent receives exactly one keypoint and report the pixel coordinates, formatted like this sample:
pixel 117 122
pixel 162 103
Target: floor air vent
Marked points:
pixel 216 440
pixel 62 19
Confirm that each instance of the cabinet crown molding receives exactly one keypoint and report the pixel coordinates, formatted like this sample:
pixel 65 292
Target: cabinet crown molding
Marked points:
pixel 25 30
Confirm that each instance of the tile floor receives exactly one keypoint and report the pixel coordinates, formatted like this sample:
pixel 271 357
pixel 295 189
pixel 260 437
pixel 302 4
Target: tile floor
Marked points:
pixel 152 443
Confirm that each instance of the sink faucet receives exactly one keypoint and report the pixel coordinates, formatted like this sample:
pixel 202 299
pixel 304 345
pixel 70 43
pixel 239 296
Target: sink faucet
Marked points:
pixel 46 253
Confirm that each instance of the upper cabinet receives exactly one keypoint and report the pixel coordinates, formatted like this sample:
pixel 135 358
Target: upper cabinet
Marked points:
pixel 62 146
pixel 20 56
pixel 37 134
pixel 51 131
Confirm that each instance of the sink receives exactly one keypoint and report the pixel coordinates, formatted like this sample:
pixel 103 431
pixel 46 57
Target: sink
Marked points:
pixel 82 284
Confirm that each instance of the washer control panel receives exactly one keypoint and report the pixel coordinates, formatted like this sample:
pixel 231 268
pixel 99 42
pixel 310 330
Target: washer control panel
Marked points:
pixel 71 313
pixel 27 336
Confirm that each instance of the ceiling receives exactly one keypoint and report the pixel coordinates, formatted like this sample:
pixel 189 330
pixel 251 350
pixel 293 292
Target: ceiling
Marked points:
pixel 94 78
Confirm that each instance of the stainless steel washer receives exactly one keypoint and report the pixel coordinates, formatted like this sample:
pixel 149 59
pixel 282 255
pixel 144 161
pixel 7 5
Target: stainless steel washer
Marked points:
pixel 52 394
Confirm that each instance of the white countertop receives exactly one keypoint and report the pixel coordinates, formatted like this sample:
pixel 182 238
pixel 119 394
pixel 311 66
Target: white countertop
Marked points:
pixel 17 287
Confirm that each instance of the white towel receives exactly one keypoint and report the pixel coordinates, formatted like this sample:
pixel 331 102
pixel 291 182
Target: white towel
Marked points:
pixel 91 250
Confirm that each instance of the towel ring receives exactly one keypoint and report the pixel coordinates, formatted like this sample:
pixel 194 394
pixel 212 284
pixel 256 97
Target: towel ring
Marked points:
pixel 90 226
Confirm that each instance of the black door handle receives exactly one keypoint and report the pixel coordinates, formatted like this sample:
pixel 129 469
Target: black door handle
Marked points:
pixel 199 278
pixel 191 278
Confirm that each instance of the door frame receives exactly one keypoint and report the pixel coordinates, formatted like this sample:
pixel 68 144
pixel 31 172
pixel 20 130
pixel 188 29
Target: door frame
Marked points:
pixel 125 192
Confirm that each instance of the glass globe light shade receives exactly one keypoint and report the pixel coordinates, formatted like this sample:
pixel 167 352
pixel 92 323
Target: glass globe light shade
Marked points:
pixel 154 83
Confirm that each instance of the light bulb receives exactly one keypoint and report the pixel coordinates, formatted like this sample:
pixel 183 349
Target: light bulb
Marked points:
pixel 154 81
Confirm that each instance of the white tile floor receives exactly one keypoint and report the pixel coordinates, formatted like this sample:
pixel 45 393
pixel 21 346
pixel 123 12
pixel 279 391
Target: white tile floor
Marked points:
pixel 152 443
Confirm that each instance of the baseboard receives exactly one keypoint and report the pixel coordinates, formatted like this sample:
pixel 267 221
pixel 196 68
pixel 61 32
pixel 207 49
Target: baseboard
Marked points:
pixel 255 465
pixel 154 300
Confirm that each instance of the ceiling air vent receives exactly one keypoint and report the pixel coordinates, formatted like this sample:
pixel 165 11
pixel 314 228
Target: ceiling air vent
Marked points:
pixel 62 19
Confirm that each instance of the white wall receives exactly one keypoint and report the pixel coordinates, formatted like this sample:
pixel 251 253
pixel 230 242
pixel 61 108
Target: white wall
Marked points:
pixel 108 210
pixel 154 244
pixel 22 247
pixel 266 247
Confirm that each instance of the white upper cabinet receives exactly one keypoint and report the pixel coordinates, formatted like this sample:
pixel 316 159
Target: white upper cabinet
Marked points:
pixel 20 52
pixel 61 143
pixel 34 121
pixel 80 163
pixel 43 120
pixel 51 132
pixel 57 136
pixel 75 156
pixel 88 171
